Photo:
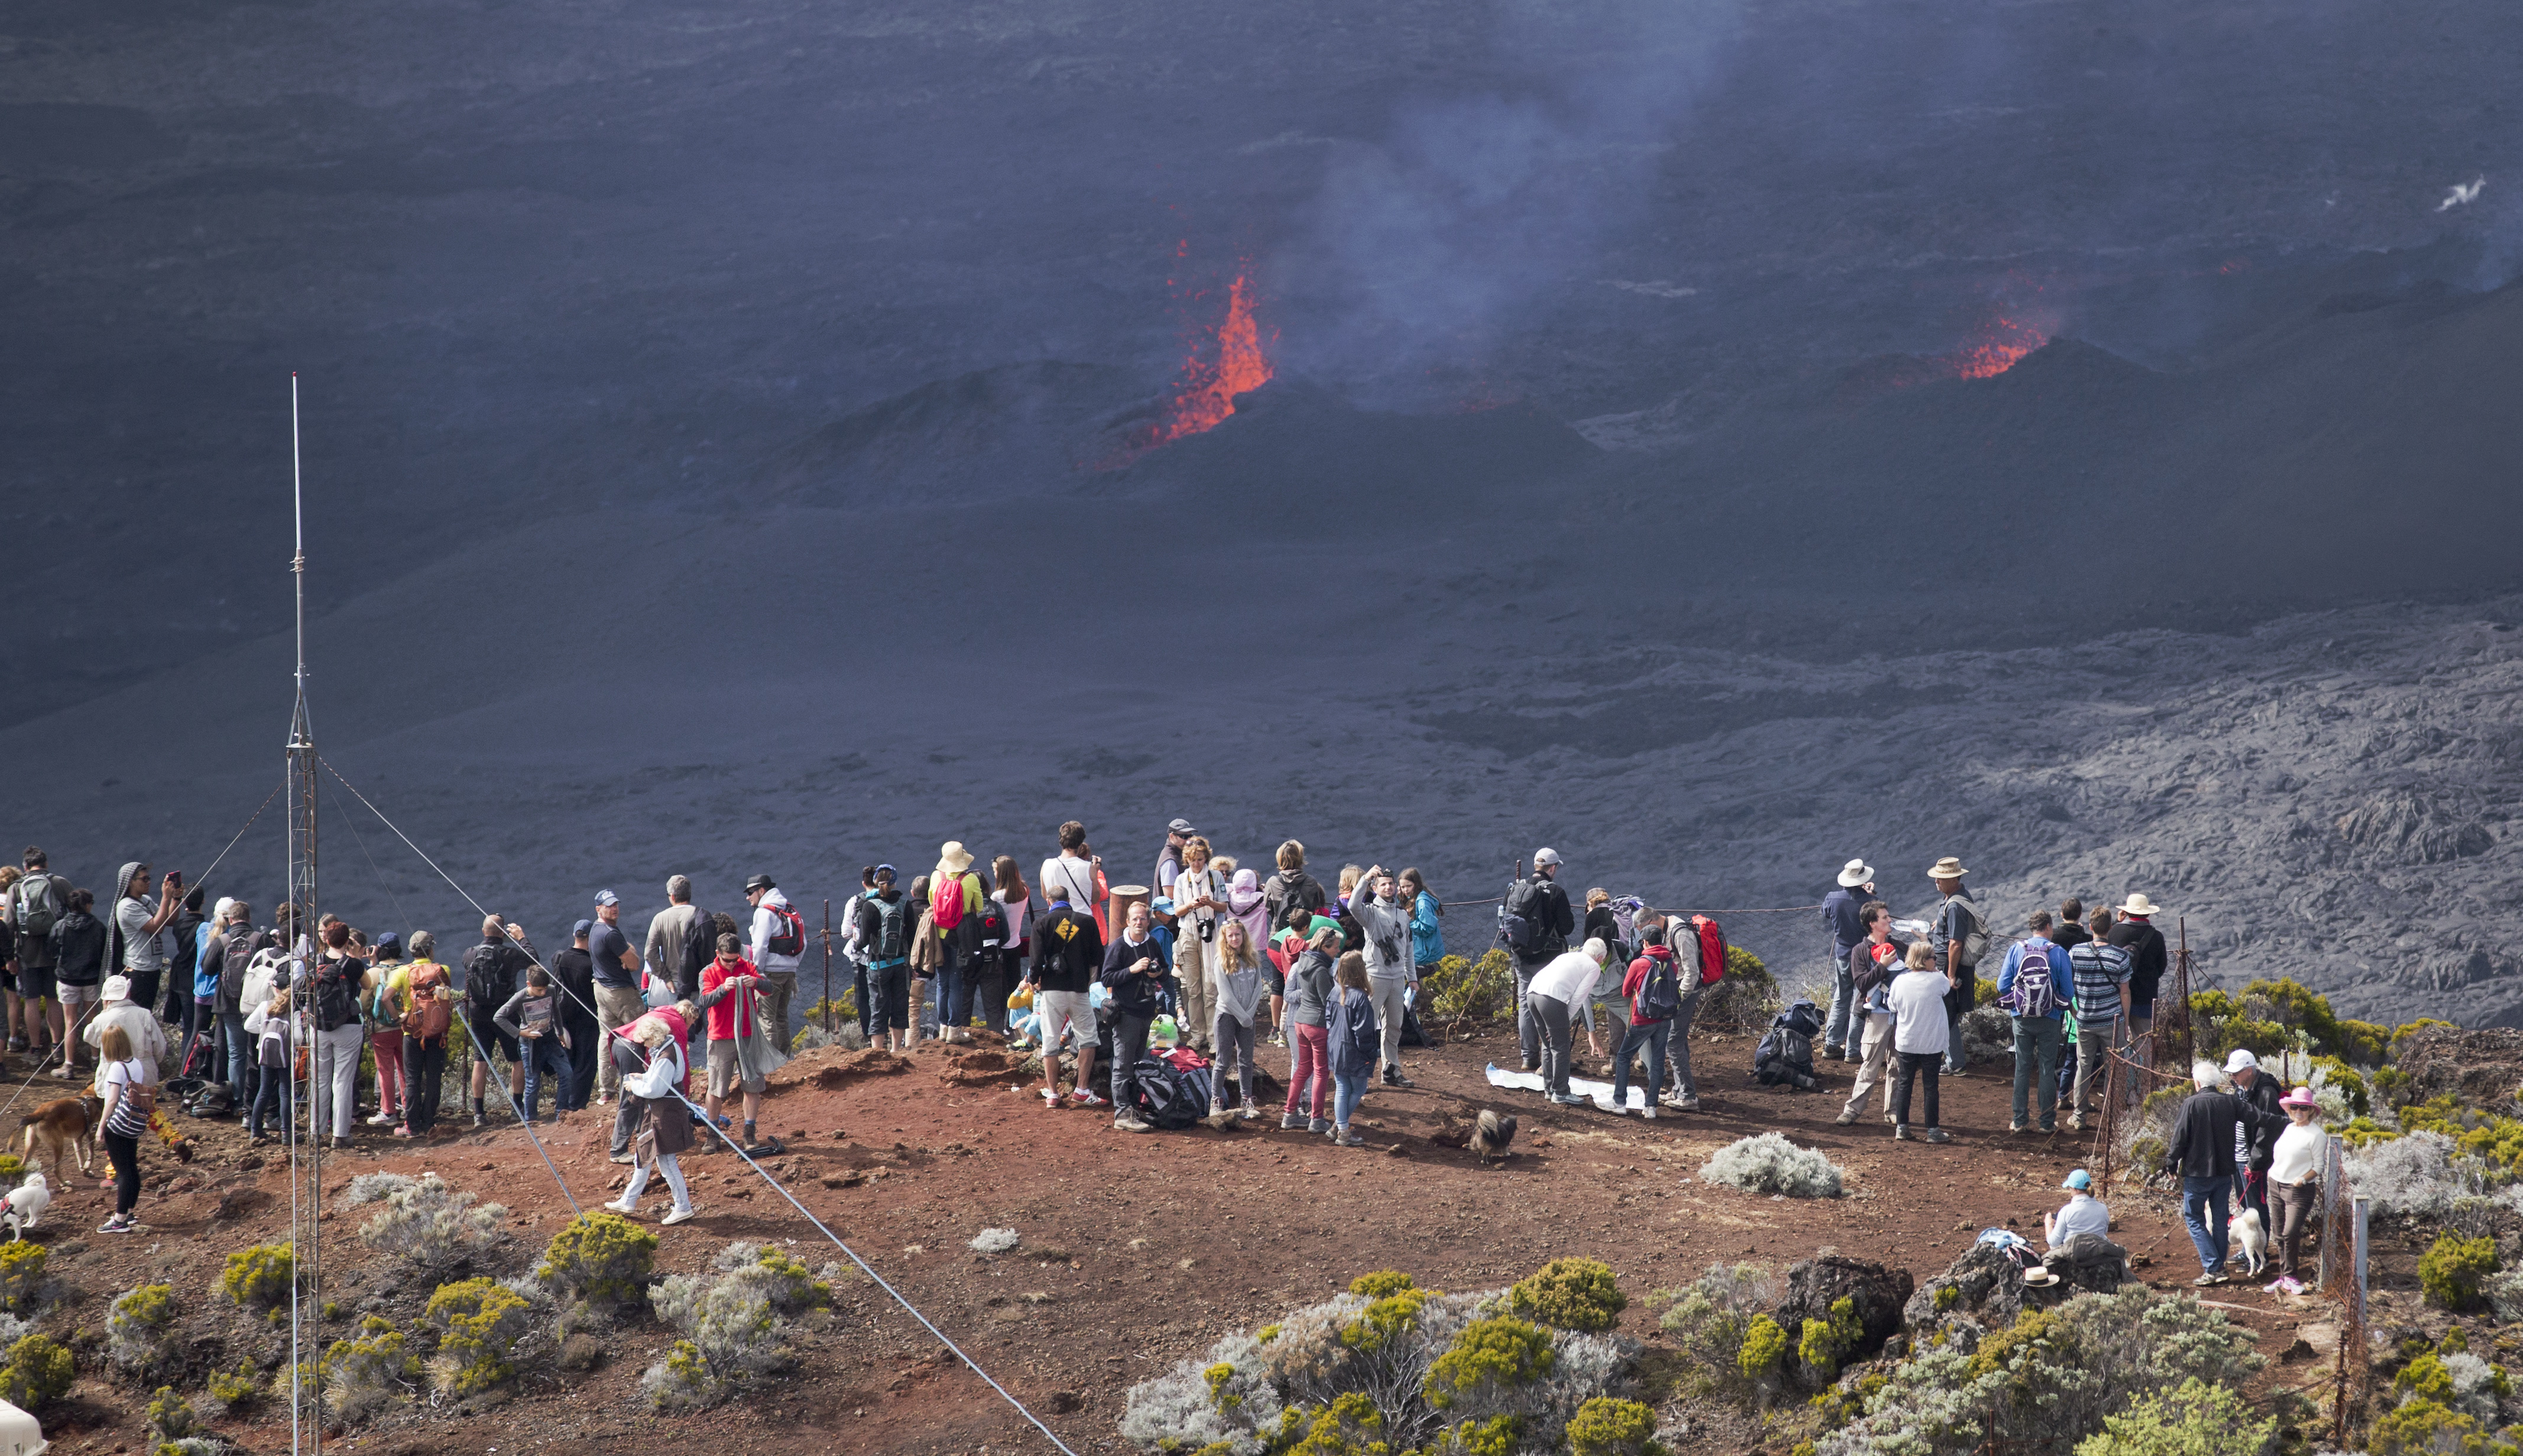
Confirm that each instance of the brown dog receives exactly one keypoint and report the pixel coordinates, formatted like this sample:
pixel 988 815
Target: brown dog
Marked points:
pixel 67 1122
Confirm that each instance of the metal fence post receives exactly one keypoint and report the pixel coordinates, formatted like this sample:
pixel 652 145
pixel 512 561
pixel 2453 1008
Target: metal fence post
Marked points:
pixel 2364 1207
pixel 2331 1173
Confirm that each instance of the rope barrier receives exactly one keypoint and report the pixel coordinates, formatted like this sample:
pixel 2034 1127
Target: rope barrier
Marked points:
pixel 721 1132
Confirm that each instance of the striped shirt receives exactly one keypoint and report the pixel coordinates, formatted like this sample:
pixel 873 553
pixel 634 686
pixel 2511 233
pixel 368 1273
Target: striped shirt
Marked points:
pixel 2098 970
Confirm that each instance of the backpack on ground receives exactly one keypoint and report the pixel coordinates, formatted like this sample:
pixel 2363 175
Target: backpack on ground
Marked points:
pixel 889 942
pixel 2035 990
pixel 33 913
pixel 1660 997
pixel 1786 1053
pixel 788 931
pixel 1164 1098
pixel 1712 950
pixel 425 1014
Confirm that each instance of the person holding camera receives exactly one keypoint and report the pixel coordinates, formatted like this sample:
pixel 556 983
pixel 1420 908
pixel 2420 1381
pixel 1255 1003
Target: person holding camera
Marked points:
pixel 1134 976
pixel 140 943
pixel 1199 899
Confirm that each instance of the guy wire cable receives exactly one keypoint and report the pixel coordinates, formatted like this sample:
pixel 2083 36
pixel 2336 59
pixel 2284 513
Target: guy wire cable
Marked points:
pixel 721 1132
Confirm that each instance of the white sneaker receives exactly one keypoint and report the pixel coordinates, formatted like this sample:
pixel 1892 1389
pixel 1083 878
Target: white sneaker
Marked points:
pixel 1649 1114
pixel 1051 1096
pixel 626 1210
pixel 677 1216
pixel 380 1120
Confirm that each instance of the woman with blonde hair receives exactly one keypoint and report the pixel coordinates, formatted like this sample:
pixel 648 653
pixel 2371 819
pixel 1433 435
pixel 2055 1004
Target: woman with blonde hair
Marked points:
pixel 128 1101
pixel 1199 902
pixel 665 1128
pixel 1237 977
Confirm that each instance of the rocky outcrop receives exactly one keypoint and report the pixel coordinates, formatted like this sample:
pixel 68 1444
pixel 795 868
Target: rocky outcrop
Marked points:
pixel 2482 1067
pixel 1878 1293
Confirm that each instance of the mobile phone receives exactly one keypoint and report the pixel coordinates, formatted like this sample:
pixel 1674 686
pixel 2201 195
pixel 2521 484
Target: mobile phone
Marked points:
pixel 175 879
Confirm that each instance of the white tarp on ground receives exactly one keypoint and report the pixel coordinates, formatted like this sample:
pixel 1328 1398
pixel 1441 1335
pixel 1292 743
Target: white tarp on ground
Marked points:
pixel 1599 1091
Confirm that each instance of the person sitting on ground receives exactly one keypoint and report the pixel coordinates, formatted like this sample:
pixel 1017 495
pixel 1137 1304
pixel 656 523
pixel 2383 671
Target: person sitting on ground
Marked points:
pixel 2295 1180
pixel 664 1132
pixel 740 1052
pixel 2204 1134
pixel 1134 977
pixel 1235 974
pixel 530 1018
pixel 1309 994
pixel 1355 1042
pixel 1919 1033
pixel 1556 998
pixel 1069 955
pixel 2082 1213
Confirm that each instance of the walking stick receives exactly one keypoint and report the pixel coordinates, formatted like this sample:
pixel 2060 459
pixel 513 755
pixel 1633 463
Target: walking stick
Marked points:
pixel 827 967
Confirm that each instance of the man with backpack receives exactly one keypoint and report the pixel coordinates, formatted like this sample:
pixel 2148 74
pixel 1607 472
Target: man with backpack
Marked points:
pixel 778 943
pixel 1653 986
pixel 885 927
pixel 224 961
pixel 490 973
pixel 1840 917
pixel 2034 988
pixel 36 902
pixel 1957 940
pixel 1534 923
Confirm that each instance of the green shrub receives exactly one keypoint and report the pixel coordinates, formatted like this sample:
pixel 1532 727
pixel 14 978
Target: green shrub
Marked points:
pixel 261 1277
pixel 1765 1346
pixel 2424 1428
pixel 22 1276
pixel 734 1325
pixel 13 1168
pixel 232 1388
pixel 365 1373
pixel 2199 1419
pixel 1498 1436
pixel 39 1370
pixel 2449 1273
pixel 170 1418
pixel 602 1258
pixel 844 1008
pixel 1827 1342
pixel 2402 1033
pixel 433 1228
pixel 136 1329
pixel 479 1321
pixel 2425 1378
pixel 1605 1427
pixel 1580 1294
pixel 1350 1425
pixel 1386 1321
pixel 1381 1283
pixel 1710 1318
pixel 1487 1354
pixel 1744 1000
pixel 1461 992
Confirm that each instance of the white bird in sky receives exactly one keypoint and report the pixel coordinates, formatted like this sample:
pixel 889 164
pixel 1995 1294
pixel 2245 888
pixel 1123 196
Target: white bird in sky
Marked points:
pixel 2459 196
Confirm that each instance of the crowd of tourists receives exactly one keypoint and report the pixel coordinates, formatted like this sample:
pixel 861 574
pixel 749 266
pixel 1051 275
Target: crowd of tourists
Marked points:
pixel 1194 973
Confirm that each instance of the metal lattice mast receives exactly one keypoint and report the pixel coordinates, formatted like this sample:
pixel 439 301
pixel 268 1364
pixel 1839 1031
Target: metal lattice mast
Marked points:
pixel 306 1409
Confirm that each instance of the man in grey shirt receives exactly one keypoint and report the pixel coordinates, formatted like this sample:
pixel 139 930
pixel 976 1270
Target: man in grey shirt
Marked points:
pixel 617 986
pixel 140 927
pixel 1386 921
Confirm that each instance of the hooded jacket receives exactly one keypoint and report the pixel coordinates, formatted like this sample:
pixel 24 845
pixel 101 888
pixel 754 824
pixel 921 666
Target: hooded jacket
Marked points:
pixel 78 949
pixel 1386 928
pixel 1247 903
pixel 766 924
pixel 1294 896
pixel 121 951
pixel 1427 937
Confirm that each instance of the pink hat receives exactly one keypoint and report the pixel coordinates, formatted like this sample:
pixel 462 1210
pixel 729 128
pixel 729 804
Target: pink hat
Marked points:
pixel 2301 1097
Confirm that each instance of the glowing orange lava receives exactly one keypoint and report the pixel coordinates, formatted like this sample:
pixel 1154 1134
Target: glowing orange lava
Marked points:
pixel 1212 383
pixel 2001 346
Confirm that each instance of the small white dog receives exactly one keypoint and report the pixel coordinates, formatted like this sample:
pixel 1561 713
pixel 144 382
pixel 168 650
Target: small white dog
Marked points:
pixel 25 1204
pixel 2246 1232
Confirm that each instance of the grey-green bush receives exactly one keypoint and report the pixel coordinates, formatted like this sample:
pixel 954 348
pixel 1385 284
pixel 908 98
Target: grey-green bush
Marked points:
pixel 1771 1164
pixel 433 1228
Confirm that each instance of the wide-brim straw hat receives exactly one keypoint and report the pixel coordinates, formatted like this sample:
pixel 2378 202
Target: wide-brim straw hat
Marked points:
pixel 2039 1276
pixel 952 859
pixel 2140 905
pixel 1947 867
pixel 1857 873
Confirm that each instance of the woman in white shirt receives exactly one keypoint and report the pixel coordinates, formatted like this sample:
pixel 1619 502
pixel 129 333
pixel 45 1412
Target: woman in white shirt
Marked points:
pixel 1200 900
pixel 2083 1214
pixel 2295 1180
pixel 1920 1037
pixel 1016 900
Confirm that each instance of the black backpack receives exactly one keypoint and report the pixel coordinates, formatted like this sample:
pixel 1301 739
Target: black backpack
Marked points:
pixel 1169 1098
pixel 337 992
pixel 788 932
pixel 993 923
pixel 698 950
pixel 1660 998
pixel 1519 930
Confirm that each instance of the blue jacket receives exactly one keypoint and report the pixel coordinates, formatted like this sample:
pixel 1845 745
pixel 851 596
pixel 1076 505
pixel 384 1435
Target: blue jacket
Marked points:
pixel 1356 1039
pixel 1427 940
pixel 2062 980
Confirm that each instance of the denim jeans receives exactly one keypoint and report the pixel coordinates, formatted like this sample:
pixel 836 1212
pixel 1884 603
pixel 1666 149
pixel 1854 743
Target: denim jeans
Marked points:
pixel 1843 1001
pixel 1347 1091
pixel 2036 1055
pixel 240 1058
pixel 1955 1062
pixel 1647 1037
pixel 545 1057
pixel 2203 1209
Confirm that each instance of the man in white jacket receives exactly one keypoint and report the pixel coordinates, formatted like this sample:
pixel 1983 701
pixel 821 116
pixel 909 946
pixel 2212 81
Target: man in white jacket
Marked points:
pixel 1386 921
pixel 1558 988
pixel 775 920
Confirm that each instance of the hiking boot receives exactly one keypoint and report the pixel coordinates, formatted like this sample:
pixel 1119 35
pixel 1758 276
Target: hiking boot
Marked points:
pixel 1318 1125
pixel 1347 1139
pixel 2076 1124
pixel 1289 1122
pixel 624 1158
pixel 1936 1135
pixel 1132 1123
pixel 1532 1065
pixel 1839 1052
pixel 1393 1078
pixel 480 1122
pixel 2209 1280
pixel 1900 1132
pixel 1688 1103
pixel 1845 1118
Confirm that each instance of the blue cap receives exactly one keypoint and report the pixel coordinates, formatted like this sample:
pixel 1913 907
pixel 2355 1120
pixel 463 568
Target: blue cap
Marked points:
pixel 2080 1181
pixel 579 930
pixel 888 870
pixel 608 897
pixel 389 944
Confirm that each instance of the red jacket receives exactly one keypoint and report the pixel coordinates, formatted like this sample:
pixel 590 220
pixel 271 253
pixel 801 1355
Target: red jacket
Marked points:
pixel 725 1024
pixel 1637 980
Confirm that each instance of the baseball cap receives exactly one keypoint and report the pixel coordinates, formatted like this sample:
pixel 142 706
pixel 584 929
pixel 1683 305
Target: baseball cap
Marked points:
pixel 579 930
pixel 2079 1180
pixel 759 882
pixel 390 944
pixel 2242 1061
pixel 1542 857
pixel 888 870
pixel 1181 827
pixel 608 897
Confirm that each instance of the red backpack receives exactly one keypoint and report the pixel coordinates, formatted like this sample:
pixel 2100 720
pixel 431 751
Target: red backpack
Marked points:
pixel 946 904
pixel 1712 950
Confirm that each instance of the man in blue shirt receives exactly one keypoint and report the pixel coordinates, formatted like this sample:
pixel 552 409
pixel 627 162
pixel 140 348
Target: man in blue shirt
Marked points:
pixel 1842 913
pixel 2034 988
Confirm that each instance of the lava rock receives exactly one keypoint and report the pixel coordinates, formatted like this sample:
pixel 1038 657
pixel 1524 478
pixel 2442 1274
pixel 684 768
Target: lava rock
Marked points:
pixel 1987 1288
pixel 1879 1294
pixel 2483 1067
